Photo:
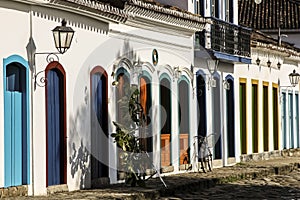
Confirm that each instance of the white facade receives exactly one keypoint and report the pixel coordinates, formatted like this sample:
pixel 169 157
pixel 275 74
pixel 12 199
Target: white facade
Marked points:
pixel 272 78
pixel 100 42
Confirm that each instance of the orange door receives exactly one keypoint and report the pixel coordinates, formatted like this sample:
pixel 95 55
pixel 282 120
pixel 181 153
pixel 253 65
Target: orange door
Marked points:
pixel 165 150
pixel 184 148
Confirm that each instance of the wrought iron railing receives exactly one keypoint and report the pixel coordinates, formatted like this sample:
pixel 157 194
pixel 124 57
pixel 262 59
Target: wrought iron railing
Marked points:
pixel 225 37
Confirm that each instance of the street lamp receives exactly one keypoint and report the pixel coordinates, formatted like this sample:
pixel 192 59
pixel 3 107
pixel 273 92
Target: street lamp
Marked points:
pixel 257 1
pixel 212 65
pixel 294 78
pixel 135 72
pixel 63 36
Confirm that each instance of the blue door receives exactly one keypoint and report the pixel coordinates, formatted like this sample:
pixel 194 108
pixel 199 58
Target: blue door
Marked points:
pixel 216 107
pixel 55 127
pixel 283 121
pixel 16 123
pixel 99 127
pixel 291 120
pixel 297 120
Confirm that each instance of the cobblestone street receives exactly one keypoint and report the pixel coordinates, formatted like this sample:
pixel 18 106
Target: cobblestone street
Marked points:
pixel 270 179
pixel 272 187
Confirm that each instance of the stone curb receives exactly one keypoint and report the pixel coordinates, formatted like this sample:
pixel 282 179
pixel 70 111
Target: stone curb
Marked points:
pixel 179 183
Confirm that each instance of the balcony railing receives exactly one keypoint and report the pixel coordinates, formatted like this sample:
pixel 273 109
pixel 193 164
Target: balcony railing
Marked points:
pixel 226 38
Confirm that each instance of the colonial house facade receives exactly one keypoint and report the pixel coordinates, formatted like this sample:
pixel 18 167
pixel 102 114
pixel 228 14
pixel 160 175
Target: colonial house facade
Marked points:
pixel 198 72
pixel 58 109
pixel 269 104
pixel 226 44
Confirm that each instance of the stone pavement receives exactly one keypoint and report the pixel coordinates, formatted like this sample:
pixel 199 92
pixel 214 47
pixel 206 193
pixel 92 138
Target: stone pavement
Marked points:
pixel 271 187
pixel 277 178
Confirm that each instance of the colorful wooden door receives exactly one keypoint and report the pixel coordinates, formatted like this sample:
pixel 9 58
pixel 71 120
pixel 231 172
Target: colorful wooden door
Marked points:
pixel 243 118
pixel 99 137
pixel 55 113
pixel 165 122
pixel 201 100
pixel 291 120
pixel 283 121
pixel 266 116
pixel 297 120
pixel 184 128
pixel 146 138
pixel 216 97
pixel 16 123
pixel 165 150
pixel 230 118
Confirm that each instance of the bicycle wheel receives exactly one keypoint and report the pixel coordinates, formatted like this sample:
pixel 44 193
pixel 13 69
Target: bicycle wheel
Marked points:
pixel 202 159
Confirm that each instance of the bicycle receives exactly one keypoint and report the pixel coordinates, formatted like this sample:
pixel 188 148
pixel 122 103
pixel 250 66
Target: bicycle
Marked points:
pixel 204 153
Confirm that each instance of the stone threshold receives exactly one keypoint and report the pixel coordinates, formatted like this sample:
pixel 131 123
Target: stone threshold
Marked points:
pixel 14 191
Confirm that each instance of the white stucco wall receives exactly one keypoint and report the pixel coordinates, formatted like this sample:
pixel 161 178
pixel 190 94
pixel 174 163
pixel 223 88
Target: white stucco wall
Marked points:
pixel 15 36
pixel 88 50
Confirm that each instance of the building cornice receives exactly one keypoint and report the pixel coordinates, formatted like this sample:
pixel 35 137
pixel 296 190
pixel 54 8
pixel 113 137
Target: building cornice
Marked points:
pixel 102 9
pixel 168 18
pixel 265 42
pixel 288 54
pixel 136 12
pixel 172 11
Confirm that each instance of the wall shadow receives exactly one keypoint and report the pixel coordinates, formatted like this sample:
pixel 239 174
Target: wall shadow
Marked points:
pixel 80 159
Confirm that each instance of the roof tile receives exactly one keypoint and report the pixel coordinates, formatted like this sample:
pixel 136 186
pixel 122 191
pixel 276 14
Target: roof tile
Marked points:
pixel 270 14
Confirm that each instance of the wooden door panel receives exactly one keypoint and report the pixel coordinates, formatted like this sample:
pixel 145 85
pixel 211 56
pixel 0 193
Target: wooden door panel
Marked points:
pixel 184 148
pixel 165 150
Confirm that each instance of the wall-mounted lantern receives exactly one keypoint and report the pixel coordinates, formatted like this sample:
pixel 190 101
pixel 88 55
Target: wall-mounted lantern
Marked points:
pixel 257 61
pixel 269 63
pixel 257 1
pixel 294 78
pixel 63 36
pixel 278 65
pixel 135 72
pixel 212 65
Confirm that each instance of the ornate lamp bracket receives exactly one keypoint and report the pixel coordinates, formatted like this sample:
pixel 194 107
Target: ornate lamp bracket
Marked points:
pixel 39 77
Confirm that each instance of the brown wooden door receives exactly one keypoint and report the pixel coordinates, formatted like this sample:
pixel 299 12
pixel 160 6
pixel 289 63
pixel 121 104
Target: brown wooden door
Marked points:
pixel 184 148
pixel 165 150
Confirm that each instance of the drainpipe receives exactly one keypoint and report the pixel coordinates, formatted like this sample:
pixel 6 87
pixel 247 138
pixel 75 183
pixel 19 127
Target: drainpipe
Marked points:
pixel 31 107
pixel 223 121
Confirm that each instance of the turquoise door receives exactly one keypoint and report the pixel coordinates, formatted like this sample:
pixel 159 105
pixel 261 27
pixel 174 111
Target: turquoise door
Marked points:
pixel 16 122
